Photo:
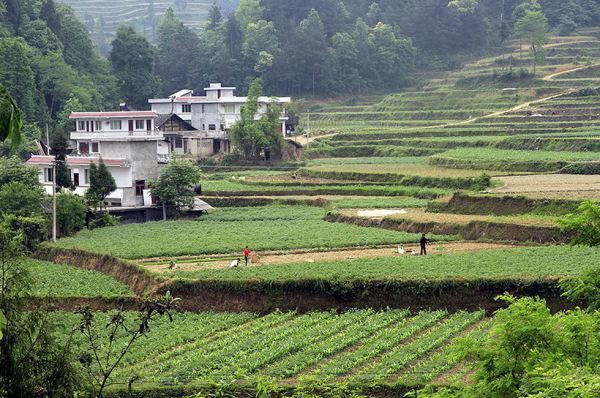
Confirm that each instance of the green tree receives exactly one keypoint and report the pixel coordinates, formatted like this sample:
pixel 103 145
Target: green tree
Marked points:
pixel 16 74
pixel 176 184
pixel 533 28
pixel 583 225
pixel 21 199
pixel 132 58
pixel 310 50
pixel 176 45
pixel 31 360
pixel 102 184
pixel 13 170
pixel 249 11
pixel 70 213
pixel 215 17
pixel 374 15
pixel 11 122
pixel 260 46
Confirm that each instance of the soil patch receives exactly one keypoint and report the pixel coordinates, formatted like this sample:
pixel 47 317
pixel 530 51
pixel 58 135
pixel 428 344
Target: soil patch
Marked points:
pixel 551 185
pixel 279 259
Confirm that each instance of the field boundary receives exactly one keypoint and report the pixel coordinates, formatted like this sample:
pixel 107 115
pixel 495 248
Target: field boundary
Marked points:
pixel 456 294
pixel 473 230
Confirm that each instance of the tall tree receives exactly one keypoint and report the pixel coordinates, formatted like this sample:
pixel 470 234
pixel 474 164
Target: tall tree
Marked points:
pixel 309 51
pixel 176 184
pixel 102 184
pixel 11 121
pixel 215 17
pixel 17 75
pixel 131 58
pixel 249 11
pixel 260 46
pixel 533 28
pixel 177 44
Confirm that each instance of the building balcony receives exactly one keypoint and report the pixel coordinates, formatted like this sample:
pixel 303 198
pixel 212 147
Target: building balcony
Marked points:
pixel 138 135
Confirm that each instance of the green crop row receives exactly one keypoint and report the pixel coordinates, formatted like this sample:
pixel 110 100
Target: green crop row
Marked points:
pixel 504 159
pixel 230 235
pixel 64 281
pixel 522 263
pixel 211 347
pixel 353 151
pixel 470 183
pixel 231 188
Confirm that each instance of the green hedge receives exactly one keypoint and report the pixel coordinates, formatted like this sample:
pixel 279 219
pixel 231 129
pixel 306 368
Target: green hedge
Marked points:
pixel 469 183
pixel 582 168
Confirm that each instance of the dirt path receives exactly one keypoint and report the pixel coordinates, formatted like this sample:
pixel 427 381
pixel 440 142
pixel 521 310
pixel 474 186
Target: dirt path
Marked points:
pixel 570 70
pixel 279 259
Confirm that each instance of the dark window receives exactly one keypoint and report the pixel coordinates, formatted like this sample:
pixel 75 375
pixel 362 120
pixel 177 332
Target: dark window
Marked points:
pixel 76 179
pixel 84 148
pixel 212 127
pixel 49 174
pixel 139 187
pixel 186 108
pixel 178 142
pixel 95 147
pixel 148 125
pixel 131 125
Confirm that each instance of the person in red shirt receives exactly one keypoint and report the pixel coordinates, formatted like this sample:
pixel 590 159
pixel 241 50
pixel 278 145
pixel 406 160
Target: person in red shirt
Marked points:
pixel 246 255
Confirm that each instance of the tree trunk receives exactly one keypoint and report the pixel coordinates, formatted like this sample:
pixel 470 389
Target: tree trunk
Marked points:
pixel 164 206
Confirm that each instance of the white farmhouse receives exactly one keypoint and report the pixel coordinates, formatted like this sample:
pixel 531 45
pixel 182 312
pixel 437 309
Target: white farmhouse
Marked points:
pixel 130 146
pixel 211 116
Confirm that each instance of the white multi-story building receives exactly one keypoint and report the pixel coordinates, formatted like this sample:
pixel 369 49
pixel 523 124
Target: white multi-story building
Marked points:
pixel 130 146
pixel 212 116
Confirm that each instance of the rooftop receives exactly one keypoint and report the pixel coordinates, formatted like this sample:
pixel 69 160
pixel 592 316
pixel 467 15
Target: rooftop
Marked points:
pixel 112 115
pixel 77 160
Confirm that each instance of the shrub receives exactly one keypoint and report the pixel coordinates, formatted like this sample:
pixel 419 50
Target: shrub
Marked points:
pixel 21 199
pixel 34 230
pixel 582 168
pixel 101 220
pixel 70 213
pixel 584 224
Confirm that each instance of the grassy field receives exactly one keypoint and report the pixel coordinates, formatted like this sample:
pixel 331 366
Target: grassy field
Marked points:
pixel 359 347
pixel 239 188
pixel 520 263
pixel 63 281
pixel 229 231
pixel 420 215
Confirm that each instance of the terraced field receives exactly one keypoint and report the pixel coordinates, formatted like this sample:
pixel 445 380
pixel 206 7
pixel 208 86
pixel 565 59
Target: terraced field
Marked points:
pixel 367 346
pixel 144 15
pixel 262 228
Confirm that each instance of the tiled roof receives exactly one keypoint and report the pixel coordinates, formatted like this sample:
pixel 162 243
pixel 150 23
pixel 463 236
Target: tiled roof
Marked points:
pixel 77 161
pixel 125 114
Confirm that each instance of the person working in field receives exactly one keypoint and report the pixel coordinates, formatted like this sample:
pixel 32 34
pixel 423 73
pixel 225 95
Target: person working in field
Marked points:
pixel 424 242
pixel 246 253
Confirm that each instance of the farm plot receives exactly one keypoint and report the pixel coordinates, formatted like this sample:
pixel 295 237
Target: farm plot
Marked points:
pixel 262 228
pixel 552 186
pixel 238 188
pixel 419 215
pixel 63 281
pixel 359 346
pixel 503 159
pixel 528 263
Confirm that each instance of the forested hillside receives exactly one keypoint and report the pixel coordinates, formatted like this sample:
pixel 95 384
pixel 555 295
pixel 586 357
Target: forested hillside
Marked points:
pixel 103 18
pixel 49 64
pixel 334 46
pixel 314 47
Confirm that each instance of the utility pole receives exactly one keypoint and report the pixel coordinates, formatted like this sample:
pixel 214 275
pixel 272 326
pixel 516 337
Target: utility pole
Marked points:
pixel 53 187
pixel 308 131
